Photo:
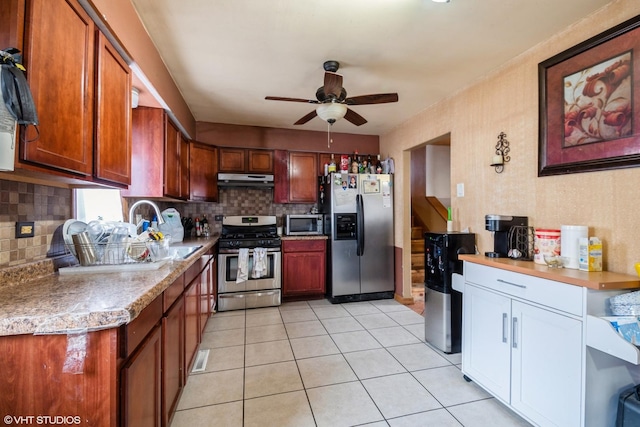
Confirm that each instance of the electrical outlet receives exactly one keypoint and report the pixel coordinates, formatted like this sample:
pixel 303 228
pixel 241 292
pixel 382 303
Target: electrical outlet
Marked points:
pixel 218 218
pixel 25 229
pixel 460 189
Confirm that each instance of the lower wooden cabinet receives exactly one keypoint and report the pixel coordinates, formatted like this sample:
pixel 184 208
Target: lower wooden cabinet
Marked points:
pixel 142 383
pixel 191 322
pixel 132 375
pixel 303 267
pixel 172 359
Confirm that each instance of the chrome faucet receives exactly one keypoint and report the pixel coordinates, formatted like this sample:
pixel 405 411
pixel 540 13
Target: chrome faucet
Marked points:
pixel 149 202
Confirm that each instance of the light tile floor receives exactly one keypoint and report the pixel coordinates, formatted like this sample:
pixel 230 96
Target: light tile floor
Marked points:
pixel 312 363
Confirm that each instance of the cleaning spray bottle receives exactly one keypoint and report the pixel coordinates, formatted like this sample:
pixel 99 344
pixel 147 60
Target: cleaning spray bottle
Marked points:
pixel 449 220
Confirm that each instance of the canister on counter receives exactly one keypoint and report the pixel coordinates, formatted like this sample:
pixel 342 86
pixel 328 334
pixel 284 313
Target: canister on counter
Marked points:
pixel 570 236
pixel 546 242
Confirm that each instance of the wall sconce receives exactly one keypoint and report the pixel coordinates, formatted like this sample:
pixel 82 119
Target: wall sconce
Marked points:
pixel 502 153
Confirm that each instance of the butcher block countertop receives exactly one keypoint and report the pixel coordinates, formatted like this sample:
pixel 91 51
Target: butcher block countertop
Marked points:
pixel 59 304
pixel 601 280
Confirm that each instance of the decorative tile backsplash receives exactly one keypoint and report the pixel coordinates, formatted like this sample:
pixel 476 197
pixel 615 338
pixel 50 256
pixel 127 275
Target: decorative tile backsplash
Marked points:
pixel 47 207
pixel 50 207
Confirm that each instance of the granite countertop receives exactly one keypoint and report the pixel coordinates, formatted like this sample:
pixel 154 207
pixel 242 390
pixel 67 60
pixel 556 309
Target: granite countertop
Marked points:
pixel 60 304
pixel 313 237
pixel 599 280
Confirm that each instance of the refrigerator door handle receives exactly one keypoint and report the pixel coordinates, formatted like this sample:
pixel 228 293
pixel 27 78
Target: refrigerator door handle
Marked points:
pixel 360 225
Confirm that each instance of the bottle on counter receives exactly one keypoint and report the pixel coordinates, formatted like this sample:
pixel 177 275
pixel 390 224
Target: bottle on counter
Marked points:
pixel 332 165
pixel 204 226
pixel 198 229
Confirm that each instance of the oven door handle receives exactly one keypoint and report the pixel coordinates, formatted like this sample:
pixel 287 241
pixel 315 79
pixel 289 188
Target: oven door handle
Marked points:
pixel 231 296
pixel 266 294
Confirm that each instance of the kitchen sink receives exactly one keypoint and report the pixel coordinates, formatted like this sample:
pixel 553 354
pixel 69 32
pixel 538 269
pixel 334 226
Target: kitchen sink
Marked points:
pixel 182 252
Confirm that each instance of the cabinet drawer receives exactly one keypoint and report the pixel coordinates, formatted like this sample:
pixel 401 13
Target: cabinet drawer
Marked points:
pixel 172 293
pixel 561 296
pixel 303 245
pixel 192 272
pixel 137 330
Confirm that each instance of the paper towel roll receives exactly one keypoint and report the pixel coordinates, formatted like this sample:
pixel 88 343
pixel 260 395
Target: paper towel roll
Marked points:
pixel 570 243
pixel 7 150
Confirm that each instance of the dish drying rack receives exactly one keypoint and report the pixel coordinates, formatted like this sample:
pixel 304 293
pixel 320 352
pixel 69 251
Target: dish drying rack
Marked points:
pixel 105 253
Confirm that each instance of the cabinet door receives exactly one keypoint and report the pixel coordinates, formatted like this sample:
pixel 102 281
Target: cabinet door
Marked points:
pixel 281 176
pixel 203 171
pixel 12 18
pixel 184 166
pixel 172 359
pixel 260 161
pixel 147 159
pixel 486 351
pixel 59 57
pixel 191 331
pixel 141 384
pixel 232 160
pixel 303 267
pixel 113 115
pixel 303 177
pixel 546 352
pixel 172 165
pixel 303 273
pixel 205 295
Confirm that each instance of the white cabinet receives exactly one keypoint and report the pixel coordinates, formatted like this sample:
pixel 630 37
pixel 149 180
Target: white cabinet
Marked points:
pixel 546 365
pixel 486 351
pixel 527 354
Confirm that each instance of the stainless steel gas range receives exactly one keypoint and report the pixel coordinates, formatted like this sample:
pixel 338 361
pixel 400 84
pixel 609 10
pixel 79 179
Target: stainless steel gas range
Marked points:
pixel 247 242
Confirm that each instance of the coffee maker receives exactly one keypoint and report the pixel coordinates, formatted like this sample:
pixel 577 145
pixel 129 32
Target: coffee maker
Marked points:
pixel 500 225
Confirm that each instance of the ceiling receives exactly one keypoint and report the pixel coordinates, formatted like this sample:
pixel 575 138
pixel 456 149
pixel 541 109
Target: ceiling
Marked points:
pixel 227 55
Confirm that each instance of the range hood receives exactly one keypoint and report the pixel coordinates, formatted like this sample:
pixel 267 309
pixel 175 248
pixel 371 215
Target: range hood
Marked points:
pixel 245 180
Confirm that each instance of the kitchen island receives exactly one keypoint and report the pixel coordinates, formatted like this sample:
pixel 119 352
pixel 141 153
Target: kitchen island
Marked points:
pixel 103 349
pixel 535 338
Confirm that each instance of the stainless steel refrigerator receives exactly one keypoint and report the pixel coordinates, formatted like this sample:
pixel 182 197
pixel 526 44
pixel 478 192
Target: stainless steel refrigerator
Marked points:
pixel 358 210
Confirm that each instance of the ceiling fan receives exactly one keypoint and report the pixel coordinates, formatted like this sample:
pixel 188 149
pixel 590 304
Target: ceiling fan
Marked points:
pixel 333 101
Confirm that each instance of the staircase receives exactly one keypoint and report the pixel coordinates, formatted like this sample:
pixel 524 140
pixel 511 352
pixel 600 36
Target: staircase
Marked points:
pixel 417 256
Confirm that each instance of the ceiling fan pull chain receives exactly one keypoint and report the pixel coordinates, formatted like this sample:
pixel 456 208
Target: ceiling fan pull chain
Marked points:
pixel 328 135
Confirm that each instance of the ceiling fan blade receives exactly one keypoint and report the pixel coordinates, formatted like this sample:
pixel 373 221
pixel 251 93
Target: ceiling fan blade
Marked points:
pixel 332 84
pixel 354 117
pixel 378 98
pixel 279 98
pixel 306 118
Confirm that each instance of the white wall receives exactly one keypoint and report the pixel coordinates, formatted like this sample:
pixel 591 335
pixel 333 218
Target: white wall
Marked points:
pixel 507 101
pixel 438 173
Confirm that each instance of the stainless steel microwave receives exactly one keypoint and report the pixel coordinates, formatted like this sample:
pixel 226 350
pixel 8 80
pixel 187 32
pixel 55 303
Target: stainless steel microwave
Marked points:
pixel 303 224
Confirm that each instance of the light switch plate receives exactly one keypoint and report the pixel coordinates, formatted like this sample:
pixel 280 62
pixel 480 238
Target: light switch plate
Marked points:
pixel 460 189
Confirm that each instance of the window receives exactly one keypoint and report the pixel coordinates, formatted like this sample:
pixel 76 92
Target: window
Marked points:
pixel 91 204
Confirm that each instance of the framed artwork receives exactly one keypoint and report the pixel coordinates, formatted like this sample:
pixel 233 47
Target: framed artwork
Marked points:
pixel 590 104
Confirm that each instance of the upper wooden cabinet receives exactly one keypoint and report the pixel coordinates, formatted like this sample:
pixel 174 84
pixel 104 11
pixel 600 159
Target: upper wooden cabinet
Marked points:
pixel 203 171
pixel 303 177
pixel 241 160
pixel 295 177
pixel 176 163
pixel 82 92
pixel 113 115
pixel 160 157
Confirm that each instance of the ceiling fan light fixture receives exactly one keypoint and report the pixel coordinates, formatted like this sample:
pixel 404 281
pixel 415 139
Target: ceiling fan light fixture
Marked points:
pixel 441 1
pixel 331 111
